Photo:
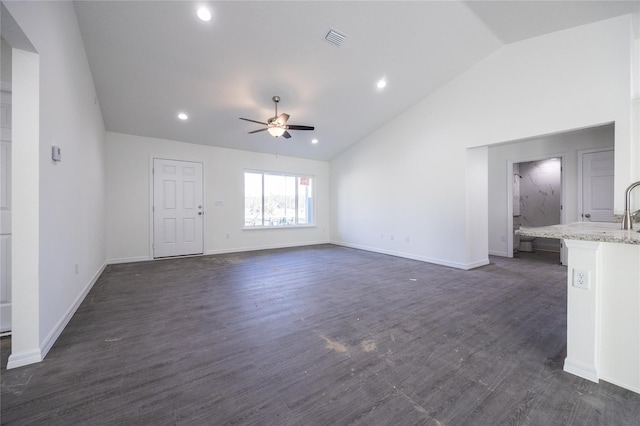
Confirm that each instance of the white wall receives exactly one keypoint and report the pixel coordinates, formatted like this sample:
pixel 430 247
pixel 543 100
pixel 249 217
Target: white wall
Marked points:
pixel 567 145
pixel 71 196
pixel 410 177
pixel 128 188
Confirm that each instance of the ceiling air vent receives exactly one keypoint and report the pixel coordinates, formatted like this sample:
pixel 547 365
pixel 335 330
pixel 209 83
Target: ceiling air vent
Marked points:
pixel 335 37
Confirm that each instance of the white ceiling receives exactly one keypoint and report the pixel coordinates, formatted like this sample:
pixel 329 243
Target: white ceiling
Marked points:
pixel 151 60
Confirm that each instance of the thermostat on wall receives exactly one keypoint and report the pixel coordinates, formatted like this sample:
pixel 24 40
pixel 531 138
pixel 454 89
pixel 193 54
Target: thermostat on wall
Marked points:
pixel 55 153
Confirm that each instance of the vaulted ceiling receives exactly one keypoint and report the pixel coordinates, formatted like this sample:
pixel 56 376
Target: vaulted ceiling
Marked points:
pixel 152 60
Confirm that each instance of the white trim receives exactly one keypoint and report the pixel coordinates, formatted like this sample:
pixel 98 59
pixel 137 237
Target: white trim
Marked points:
pixel 457 265
pixel 213 252
pixel 621 384
pixel 151 230
pixel 24 358
pixel 256 228
pixel 59 327
pixel 286 174
pixel 580 369
pixel 500 253
pixel 265 247
pixel 128 260
pixel 31 357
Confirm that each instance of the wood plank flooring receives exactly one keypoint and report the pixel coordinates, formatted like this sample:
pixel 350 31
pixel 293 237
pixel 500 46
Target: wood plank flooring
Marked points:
pixel 320 335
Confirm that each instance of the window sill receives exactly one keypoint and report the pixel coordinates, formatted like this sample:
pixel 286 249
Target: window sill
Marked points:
pixel 261 228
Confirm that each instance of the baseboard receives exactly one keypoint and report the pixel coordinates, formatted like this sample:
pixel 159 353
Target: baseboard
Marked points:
pixel 580 369
pixel 24 358
pixel 457 265
pixel 62 323
pixel 217 251
pixel 264 247
pixel 128 260
pixel 621 384
pixel 499 253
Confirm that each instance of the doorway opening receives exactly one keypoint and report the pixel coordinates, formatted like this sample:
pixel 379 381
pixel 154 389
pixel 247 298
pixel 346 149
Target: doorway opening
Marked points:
pixel 568 146
pixel 537 201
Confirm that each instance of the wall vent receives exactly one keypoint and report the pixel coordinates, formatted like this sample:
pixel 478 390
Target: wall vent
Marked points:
pixel 335 37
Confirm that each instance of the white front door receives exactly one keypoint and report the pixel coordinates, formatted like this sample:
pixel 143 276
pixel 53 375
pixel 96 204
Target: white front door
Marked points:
pixel 5 211
pixel 597 186
pixel 178 212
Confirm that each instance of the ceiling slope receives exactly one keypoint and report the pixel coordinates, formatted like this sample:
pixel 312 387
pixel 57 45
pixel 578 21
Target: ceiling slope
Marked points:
pixel 151 60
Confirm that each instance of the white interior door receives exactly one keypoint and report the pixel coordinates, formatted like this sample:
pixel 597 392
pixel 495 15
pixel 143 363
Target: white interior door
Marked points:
pixel 178 213
pixel 597 186
pixel 5 211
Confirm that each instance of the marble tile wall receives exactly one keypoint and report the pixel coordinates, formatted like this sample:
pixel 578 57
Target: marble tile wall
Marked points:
pixel 540 197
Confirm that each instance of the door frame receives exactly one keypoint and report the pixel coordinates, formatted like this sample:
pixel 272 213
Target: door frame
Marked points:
pixel 152 158
pixel 580 170
pixel 5 87
pixel 563 201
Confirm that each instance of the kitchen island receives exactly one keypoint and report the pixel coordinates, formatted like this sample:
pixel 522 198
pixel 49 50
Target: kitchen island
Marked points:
pixel 603 300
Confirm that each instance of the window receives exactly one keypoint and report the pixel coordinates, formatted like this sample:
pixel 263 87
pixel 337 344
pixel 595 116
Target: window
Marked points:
pixel 277 199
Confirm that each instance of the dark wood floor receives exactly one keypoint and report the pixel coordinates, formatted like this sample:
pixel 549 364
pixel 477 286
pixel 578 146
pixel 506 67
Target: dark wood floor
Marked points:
pixel 320 335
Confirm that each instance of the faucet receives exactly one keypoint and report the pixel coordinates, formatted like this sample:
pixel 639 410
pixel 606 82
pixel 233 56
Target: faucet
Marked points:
pixel 626 219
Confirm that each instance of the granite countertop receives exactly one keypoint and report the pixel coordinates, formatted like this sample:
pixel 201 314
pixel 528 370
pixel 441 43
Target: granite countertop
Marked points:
pixel 586 231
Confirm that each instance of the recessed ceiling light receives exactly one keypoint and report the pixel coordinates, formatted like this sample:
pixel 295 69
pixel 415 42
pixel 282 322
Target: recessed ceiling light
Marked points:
pixel 183 116
pixel 382 83
pixel 204 14
pixel 315 141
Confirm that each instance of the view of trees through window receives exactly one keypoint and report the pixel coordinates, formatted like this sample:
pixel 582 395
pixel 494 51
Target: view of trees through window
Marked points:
pixel 273 199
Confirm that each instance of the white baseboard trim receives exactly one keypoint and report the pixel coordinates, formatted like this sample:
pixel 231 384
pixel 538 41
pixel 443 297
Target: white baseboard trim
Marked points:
pixel 580 369
pixel 621 384
pixel 264 247
pixel 499 253
pixel 24 358
pixel 62 323
pixel 457 265
pixel 128 260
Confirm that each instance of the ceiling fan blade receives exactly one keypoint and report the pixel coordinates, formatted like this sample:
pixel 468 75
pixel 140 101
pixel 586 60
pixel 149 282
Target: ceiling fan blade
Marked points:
pixel 286 135
pixel 295 127
pixel 282 118
pixel 253 121
pixel 256 131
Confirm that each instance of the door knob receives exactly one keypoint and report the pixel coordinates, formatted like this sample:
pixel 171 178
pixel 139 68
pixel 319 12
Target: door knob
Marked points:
pixel 587 215
pixel 200 213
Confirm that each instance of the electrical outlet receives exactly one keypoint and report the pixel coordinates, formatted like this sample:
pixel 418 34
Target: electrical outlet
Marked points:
pixel 581 278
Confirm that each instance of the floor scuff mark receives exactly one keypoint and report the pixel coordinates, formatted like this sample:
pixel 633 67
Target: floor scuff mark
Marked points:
pixel 334 345
pixel 369 345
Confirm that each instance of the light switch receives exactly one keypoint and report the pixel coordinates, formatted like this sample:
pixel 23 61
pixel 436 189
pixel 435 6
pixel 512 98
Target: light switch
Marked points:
pixel 56 154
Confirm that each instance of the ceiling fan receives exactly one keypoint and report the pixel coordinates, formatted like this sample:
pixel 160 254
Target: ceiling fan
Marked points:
pixel 277 125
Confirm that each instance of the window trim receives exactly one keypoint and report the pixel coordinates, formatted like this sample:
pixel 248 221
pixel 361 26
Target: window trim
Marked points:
pixel 285 174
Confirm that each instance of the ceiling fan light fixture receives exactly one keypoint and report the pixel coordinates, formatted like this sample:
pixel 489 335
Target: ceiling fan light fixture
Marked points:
pixel 276 131
pixel 204 14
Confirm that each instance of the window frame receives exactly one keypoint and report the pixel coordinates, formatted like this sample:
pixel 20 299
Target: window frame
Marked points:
pixel 297 176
